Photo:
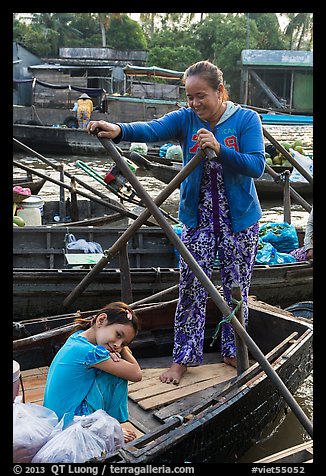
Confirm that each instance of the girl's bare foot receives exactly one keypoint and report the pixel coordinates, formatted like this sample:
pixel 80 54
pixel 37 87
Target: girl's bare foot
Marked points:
pixel 128 434
pixel 231 361
pixel 174 374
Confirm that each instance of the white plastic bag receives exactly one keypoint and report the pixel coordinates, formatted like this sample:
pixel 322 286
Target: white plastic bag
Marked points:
pixel 32 425
pixel 140 147
pixel 305 162
pixel 174 153
pixel 75 444
pixel 88 437
pixel 105 426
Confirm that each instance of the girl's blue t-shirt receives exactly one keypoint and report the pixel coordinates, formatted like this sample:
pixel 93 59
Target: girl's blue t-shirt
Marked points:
pixel 70 376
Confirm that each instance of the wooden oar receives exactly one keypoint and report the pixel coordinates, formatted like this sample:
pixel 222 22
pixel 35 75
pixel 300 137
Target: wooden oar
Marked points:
pixel 125 237
pixel 208 285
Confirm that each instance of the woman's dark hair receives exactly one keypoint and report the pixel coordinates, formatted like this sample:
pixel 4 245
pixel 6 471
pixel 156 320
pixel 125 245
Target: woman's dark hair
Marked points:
pixel 116 312
pixel 208 71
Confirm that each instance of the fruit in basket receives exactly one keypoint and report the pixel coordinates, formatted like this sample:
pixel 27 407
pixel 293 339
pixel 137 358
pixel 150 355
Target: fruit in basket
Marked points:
pixel 286 145
pixel 18 221
pixel 299 149
pixel 277 160
pixel 269 161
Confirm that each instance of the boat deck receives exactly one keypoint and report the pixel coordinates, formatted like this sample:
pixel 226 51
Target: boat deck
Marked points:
pixel 152 402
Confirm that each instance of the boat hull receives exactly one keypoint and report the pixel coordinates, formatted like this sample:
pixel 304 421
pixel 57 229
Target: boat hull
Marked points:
pixel 218 424
pixel 42 278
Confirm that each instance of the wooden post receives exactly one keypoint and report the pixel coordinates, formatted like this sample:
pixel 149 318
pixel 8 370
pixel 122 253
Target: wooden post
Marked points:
pixel 62 204
pixel 287 197
pixel 241 347
pixel 294 194
pixel 125 278
pixel 73 200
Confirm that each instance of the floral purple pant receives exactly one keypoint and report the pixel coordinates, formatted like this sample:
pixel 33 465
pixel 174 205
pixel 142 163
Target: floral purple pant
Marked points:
pixel 236 253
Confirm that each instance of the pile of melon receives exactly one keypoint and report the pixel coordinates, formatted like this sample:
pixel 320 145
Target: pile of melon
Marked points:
pixel 275 158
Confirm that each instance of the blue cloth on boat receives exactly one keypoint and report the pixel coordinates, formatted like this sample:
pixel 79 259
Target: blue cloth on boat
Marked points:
pixel 72 385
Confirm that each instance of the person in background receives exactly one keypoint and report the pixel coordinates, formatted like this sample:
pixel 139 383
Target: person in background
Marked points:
pixel 84 110
pixel 219 206
pixel 306 251
pixel 91 370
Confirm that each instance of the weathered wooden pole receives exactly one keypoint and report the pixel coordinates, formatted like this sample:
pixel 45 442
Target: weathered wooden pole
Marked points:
pixel 286 197
pixel 241 347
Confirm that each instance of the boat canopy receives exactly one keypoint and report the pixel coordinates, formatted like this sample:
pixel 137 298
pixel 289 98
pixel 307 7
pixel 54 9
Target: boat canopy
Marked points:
pixel 131 70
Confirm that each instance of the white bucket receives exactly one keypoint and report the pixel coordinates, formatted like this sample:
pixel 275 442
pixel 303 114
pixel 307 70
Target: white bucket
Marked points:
pixel 16 376
pixel 31 210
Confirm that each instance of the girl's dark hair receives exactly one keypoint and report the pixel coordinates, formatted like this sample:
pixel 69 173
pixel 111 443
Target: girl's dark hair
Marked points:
pixel 116 312
pixel 208 71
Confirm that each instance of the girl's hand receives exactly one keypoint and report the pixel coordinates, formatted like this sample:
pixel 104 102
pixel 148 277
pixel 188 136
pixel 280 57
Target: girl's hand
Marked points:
pixel 206 138
pixel 105 129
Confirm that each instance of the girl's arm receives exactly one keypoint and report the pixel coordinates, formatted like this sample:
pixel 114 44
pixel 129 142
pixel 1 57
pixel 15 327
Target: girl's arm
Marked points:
pixel 127 367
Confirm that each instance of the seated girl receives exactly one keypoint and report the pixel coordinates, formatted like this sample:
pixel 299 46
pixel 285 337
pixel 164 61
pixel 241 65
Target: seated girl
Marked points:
pixel 91 370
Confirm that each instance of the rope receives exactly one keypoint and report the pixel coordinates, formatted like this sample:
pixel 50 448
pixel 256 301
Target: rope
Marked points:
pixel 227 319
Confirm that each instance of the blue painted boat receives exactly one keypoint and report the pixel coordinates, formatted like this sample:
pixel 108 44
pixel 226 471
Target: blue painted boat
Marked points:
pixel 286 119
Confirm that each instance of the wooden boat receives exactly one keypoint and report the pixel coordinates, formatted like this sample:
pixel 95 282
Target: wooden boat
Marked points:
pixel 266 187
pixel 29 182
pixel 44 273
pixel 64 140
pixel 298 454
pixel 213 415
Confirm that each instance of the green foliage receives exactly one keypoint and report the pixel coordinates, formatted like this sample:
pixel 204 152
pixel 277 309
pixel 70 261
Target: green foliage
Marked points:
pixel 173 40
pixel 125 33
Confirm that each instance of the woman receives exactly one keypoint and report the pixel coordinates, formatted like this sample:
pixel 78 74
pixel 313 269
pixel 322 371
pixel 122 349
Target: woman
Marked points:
pixel 84 110
pixel 219 207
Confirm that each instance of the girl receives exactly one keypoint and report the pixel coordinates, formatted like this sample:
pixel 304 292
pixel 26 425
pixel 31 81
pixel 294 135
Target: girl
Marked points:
pixel 219 206
pixel 92 369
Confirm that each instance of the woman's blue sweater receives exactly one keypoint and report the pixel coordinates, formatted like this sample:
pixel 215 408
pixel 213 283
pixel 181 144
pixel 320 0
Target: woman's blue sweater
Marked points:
pixel 239 132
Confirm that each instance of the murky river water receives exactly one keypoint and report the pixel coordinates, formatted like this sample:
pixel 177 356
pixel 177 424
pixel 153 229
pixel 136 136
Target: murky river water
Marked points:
pixel 286 431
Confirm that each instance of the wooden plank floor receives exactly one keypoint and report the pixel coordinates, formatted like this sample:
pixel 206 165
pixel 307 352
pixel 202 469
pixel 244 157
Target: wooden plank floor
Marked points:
pixel 151 393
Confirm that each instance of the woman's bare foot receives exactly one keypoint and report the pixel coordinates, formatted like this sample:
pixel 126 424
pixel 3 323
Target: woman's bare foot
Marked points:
pixel 231 361
pixel 128 433
pixel 174 374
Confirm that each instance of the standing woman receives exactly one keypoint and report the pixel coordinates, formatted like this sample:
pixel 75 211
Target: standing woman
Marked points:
pixel 84 110
pixel 219 207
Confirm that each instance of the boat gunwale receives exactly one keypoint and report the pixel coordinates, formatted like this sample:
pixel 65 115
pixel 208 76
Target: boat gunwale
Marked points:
pixel 131 455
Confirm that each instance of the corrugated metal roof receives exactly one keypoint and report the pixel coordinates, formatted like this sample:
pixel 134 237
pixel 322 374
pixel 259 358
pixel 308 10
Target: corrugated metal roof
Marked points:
pixel 49 66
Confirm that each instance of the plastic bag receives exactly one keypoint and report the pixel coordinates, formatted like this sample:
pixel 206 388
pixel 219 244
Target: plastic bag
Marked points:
pixel 75 444
pixel 32 425
pixel 281 235
pixel 140 147
pixel 164 148
pixel 174 153
pixel 305 162
pixel 105 426
pixel 77 439
pixel 267 254
pixel 83 245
